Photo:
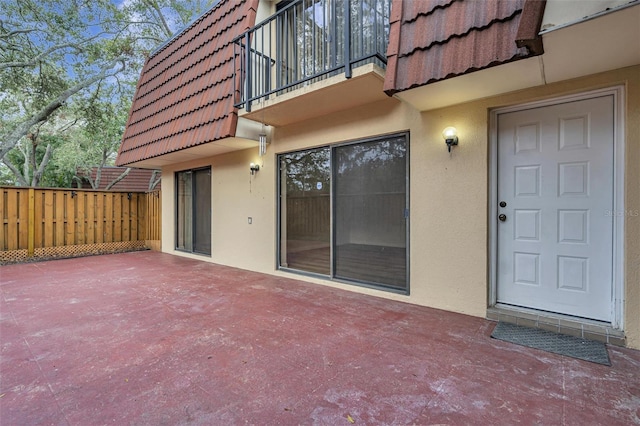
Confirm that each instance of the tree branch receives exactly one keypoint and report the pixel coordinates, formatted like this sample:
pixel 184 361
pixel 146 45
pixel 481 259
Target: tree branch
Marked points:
pixel 118 179
pixel 21 180
pixel 16 32
pixel 42 115
pixel 154 181
pixel 45 160
pixel 33 61
pixel 87 176
pixel 154 5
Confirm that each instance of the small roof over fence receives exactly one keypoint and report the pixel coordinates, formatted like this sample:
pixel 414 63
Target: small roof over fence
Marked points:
pixel 136 181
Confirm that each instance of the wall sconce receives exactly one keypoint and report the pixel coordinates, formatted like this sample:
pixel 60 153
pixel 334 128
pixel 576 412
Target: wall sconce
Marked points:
pixel 450 135
pixel 254 168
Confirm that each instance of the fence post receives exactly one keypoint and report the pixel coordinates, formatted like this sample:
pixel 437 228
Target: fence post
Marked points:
pixel 31 235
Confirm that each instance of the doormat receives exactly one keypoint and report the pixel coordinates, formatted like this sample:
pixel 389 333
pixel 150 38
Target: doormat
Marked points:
pixel 549 341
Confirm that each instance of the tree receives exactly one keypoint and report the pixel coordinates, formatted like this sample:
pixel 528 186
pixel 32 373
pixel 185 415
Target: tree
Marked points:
pixel 32 156
pixel 52 51
pixel 57 58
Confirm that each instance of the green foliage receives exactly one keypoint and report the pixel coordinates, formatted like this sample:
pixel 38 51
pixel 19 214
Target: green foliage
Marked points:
pixel 68 72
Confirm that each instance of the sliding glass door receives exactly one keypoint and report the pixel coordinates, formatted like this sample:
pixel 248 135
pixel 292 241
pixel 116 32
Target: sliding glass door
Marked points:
pixel 305 211
pixel 344 210
pixel 193 211
pixel 370 243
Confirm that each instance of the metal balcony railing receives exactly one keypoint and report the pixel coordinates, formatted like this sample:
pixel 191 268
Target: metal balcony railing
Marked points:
pixel 306 41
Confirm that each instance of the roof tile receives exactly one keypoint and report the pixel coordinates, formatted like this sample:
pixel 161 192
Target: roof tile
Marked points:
pixel 185 92
pixel 136 181
pixel 439 39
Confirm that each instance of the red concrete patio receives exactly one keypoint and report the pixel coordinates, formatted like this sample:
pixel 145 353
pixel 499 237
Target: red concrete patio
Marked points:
pixel 150 338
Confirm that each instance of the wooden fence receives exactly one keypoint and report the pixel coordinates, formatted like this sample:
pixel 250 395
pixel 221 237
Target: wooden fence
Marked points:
pixel 50 223
pixel 309 218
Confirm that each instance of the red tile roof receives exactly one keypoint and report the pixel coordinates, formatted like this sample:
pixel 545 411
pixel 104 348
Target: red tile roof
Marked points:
pixel 136 181
pixel 432 40
pixel 185 93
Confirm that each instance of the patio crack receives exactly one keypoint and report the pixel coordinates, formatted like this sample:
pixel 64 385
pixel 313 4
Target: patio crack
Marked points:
pixel 53 394
pixel 564 394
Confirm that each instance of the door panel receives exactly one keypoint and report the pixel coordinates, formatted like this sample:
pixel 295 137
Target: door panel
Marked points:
pixel 202 212
pixel 555 181
pixel 305 211
pixel 370 243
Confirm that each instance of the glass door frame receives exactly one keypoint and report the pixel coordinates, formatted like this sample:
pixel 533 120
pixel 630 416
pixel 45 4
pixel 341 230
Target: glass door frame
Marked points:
pixel 280 186
pixel 193 210
pixel 332 148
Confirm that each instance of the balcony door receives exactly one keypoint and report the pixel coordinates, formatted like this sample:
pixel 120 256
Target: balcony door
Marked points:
pixel 344 212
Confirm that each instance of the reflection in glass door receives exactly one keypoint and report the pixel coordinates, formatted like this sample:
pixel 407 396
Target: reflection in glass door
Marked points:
pixel 344 212
pixel 305 211
pixel 370 212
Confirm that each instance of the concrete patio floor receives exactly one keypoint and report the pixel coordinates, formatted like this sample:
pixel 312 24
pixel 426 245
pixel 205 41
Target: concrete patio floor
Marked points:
pixel 150 338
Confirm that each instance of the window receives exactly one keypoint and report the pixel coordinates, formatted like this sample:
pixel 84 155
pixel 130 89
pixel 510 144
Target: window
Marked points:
pixel 343 212
pixel 193 211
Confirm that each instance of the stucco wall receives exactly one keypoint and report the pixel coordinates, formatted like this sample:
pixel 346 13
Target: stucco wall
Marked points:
pixel 472 123
pixel 448 194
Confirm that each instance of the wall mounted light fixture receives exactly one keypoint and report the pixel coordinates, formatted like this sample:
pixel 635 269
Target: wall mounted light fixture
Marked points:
pixel 262 141
pixel 254 168
pixel 450 135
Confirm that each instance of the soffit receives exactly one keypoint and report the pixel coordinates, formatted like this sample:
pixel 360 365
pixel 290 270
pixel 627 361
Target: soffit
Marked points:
pixel 197 152
pixel 593 45
pixel 184 97
pixel 327 96
pixel 608 42
pixel 434 40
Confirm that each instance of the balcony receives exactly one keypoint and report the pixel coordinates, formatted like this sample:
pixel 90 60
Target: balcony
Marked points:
pixel 307 42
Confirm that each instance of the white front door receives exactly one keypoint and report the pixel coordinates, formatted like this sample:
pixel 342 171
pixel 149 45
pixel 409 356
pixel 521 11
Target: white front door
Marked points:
pixel 555 204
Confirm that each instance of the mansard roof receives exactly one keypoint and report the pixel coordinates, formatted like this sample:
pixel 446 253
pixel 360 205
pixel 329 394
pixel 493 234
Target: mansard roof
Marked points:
pixel 185 94
pixel 432 40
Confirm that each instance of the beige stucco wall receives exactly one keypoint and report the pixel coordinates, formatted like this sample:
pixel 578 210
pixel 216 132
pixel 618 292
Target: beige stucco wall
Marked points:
pixel 448 195
pixel 472 122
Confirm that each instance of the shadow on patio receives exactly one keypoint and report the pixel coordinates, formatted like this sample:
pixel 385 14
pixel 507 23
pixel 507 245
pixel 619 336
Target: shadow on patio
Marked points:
pixel 150 338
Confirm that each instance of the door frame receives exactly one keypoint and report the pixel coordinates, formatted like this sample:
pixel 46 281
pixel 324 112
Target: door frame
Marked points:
pixel 618 92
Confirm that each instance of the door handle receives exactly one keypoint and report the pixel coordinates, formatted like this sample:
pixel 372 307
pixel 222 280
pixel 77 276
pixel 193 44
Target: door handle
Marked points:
pixel 502 217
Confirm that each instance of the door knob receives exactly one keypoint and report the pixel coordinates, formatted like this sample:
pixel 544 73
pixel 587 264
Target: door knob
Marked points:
pixel 502 217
